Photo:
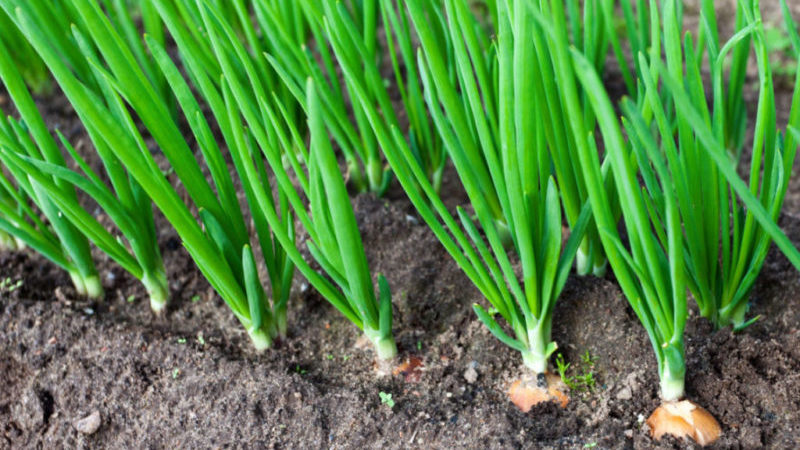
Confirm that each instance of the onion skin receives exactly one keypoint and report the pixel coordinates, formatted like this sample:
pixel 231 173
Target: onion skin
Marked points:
pixel 532 390
pixel 684 419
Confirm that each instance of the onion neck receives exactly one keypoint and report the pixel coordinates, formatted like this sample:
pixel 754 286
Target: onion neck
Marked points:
pixel 539 349
pixel 672 382
pixel 158 290
pixel 385 346
pixel 260 338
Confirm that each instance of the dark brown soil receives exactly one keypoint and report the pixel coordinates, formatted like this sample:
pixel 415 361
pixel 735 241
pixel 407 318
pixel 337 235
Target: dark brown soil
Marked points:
pixel 189 379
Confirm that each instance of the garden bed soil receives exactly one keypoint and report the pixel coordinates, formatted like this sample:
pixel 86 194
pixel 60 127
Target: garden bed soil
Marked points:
pixel 190 378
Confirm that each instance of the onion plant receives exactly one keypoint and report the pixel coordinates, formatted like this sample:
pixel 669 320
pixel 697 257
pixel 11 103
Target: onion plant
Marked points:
pixel 70 249
pixel 334 239
pixel 725 246
pixel 221 247
pixel 509 177
pixel 223 251
pixel 128 207
pixel 480 129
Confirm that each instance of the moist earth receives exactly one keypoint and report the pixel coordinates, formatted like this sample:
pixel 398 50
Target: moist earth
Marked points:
pixel 190 378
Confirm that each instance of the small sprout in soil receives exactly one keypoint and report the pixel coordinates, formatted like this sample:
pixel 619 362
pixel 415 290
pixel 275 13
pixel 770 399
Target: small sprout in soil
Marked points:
pixel 182 341
pixel 562 368
pixel 131 299
pixel 10 286
pixel 584 381
pixel 195 298
pixel 175 373
pixel 345 357
pixel 590 445
pixel 419 345
pixel 300 370
pixel 386 399
pixel 200 339
pixel 329 357
pixel 588 359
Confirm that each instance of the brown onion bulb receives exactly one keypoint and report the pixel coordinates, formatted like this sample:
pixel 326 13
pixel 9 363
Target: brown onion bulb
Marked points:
pixel 533 390
pixel 684 419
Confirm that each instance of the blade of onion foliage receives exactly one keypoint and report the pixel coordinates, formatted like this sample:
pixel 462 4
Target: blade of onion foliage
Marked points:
pixel 128 206
pixel 10 215
pixel 791 138
pixel 221 248
pixel 725 245
pixel 121 16
pixel 31 67
pixel 334 239
pixel 34 139
pixel 21 225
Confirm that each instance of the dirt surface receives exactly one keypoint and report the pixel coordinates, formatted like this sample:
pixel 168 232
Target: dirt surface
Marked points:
pixel 189 379
pixel 157 385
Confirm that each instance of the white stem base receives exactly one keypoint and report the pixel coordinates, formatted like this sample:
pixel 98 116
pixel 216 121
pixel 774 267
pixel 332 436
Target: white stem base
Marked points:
pixel 8 242
pixel 672 389
pixel 158 290
pixel 600 271
pixel 94 288
pixel 537 363
pixel 582 263
pixel 385 347
pixel 261 339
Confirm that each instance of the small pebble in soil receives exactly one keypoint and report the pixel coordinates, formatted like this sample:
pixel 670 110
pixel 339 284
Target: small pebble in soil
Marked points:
pixel 89 424
pixel 628 433
pixel 624 394
pixel 471 375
